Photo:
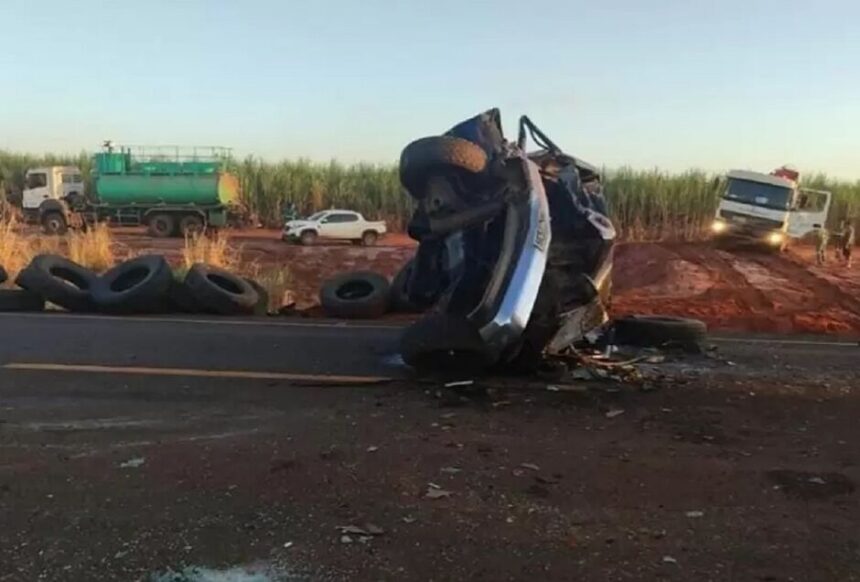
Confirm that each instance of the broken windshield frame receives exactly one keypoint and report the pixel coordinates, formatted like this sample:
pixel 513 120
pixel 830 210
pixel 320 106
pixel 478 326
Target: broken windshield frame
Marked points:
pixel 758 194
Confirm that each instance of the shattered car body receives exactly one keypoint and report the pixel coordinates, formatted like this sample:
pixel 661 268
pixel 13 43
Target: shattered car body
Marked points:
pixel 515 248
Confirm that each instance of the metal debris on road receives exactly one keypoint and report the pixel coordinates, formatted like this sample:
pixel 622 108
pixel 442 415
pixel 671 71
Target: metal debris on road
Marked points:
pixel 817 480
pixel 696 513
pixel 436 492
pixel 459 383
pixel 615 412
pixel 132 463
pixel 367 529
pixel 372 449
pixel 669 560
pixel 530 466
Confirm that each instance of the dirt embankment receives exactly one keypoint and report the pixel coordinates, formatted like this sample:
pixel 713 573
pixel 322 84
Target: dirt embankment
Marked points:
pixel 743 290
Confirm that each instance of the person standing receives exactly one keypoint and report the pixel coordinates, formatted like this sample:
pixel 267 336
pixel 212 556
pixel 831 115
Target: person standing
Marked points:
pixel 821 249
pixel 847 241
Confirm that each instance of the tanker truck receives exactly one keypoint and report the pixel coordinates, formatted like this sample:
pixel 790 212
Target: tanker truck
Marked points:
pixel 170 190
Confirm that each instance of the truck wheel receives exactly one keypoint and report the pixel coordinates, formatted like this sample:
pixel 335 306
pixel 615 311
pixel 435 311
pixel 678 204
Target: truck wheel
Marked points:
pixel 162 225
pixel 60 281
pixel 190 225
pixel 445 344
pixel 359 295
pixel 140 285
pixel 308 238
pixel 54 223
pixel 219 291
pixel 368 239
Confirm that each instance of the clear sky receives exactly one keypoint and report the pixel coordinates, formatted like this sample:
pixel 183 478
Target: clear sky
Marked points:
pixel 662 83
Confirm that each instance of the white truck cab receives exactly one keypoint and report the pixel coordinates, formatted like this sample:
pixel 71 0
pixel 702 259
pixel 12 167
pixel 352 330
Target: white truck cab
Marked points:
pixel 769 208
pixel 45 190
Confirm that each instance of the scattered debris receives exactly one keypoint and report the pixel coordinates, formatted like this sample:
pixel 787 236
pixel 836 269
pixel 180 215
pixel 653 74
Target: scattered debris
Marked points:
pixel 409 519
pixel 345 540
pixel 132 463
pixel 459 383
pixel 288 545
pixel 367 529
pixel 614 412
pixel 530 466
pixel 436 492
pixel 566 388
pixel 450 470
pixel 695 514
pixel 372 449
pixel 669 560
pixel 817 480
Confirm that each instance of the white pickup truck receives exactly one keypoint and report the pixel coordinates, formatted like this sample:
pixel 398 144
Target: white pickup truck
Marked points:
pixel 334 224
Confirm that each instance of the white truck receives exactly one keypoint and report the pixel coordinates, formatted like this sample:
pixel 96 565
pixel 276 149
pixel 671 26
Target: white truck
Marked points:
pixel 769 208
pixel 46 191
pixel 334 224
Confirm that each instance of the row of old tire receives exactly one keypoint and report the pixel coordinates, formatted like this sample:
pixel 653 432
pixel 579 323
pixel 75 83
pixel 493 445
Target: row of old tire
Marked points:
pixel 142 285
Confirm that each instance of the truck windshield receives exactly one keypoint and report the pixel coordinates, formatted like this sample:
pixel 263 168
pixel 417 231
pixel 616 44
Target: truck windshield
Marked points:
pixel 758 194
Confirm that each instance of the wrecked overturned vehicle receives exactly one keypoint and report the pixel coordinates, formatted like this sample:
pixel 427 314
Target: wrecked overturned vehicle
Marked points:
pixel 515 248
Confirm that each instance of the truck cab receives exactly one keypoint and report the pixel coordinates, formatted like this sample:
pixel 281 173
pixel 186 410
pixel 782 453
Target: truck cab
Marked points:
pixel 46 193
pixel 769 208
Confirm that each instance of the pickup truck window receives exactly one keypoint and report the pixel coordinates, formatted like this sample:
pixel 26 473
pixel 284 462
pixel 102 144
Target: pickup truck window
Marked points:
pixel 341 217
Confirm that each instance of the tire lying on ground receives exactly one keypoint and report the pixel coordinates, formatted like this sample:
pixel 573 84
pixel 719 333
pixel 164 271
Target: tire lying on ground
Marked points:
pixel 137 286
pixel 358 295
pixel 438 154
pixel 400 302
pixel 445 344
pixel 20 300
pixel 60 281
pixel 218 291
pixel 659 330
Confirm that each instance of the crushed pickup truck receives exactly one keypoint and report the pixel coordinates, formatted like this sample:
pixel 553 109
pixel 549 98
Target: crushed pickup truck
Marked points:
pixel 515 248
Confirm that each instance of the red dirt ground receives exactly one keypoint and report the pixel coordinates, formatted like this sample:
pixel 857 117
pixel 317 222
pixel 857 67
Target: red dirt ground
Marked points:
pixel 741 290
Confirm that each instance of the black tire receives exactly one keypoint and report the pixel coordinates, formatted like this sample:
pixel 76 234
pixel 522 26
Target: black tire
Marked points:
pixel 3 275
pixel 659 330
pixel 308 237
pixel 191 224
pixel 180 299
pixel 400 302
pixel 161 225
pixel 219 291
pixel 439 153
pixel 445 344
pixel 60 281
pixel 262 305
pixel 357 295
pixel 20 300
pixel 369 238
pixel 54 223
pixel 140 285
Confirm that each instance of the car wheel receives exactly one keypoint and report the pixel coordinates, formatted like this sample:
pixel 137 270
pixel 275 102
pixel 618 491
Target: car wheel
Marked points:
pixel 60 281
pixel 140 285
pixel 369 238
pixel 659 330
pixel 308 237
pixel 439 153
pixel 359 295
pixel 445 344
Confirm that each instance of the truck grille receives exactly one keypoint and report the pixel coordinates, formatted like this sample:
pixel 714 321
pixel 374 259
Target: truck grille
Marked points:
pixel 748 222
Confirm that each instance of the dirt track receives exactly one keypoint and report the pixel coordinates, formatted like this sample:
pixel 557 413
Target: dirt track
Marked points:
pixel 743 290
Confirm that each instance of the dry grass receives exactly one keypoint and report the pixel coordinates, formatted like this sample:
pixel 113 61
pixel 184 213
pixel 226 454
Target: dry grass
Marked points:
pixel 276 281
pixel 213 250
pixel 16 251
pixel 92 248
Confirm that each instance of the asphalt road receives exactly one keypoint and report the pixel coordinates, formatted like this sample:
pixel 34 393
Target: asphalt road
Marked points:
pixel 135 448
pixel 314 348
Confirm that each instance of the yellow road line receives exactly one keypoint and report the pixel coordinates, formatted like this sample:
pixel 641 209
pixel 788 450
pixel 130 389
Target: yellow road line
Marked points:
pixel 239 374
